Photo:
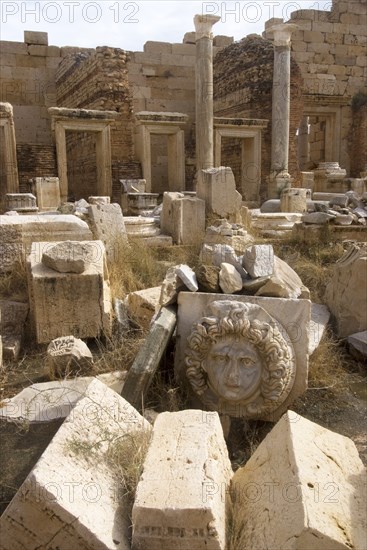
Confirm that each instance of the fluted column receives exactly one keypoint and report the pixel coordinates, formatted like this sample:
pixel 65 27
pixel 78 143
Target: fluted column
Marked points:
pixel 204 90
pixel 281 104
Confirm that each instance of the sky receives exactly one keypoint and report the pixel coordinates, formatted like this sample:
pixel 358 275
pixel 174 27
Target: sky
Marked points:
pixel 129 24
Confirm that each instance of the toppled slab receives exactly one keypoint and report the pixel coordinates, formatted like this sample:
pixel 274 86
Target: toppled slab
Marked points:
pixel 217 187
pixel 258 260
pixel 320 316
pixel 71 498
pixel 358 344
pixel 303 488
pixel 107 223
pixel 68 257
pixel 180 499
pixel 283 283
pixel 346 293
pixel 66 355
pixel 143 304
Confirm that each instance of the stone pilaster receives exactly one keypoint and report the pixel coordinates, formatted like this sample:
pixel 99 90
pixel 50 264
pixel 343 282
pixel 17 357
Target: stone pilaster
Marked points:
pixel 204 90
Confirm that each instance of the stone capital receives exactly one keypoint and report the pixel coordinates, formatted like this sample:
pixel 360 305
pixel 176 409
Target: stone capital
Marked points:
pixel 281 34
pixel 203 25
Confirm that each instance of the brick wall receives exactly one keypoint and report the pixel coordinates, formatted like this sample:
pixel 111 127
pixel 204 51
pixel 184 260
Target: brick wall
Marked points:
pixel 243 83
pixel 35 161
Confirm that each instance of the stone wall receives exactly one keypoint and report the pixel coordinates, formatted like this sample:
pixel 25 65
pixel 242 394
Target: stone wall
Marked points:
pixel 243 83
pixel 358 139
pixel 330 49
pixel 97 80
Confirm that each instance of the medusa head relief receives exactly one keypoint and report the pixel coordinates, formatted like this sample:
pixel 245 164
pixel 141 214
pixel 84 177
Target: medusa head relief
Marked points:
pixel 239 361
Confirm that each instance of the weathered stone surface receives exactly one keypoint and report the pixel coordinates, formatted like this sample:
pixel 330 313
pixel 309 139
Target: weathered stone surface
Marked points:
pixel 309 484
pixel 47 191
pixel 181 497
pixel 17 233
pixel 21 202
pixel 217 187
pixel 343 219
pixel 143 304
pixel 231 234
pixel 270 206
pixel 167 211
pixel 171 286
pixel 188 220
pixel 107 223
pixel 230 280
pixel 66 355
pixel 49 401
pixel 283 283
pixel 294 200
pixel 69 256
pixel 71 498
pixel 346 292
pixel 216 254
pixel 208 278
pixel 318 218
pixel 258 260
pixel 320 316
pixel 69 303
pixel 187 276
pixel 99 200
pixel 209 320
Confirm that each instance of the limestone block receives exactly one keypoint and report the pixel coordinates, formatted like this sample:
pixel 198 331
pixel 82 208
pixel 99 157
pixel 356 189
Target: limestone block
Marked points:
pixel 187 276
pixel 294 200
pixel 71 498
pixel 209 320
pixel 216 254
pixel 68 354
pixel 188 220
pixel 217 187
pixel 69 303
pixel 69 256
pixel 107 224
pixel 21 202
pixel 320 316
pixel 167 211
pixel 141 227
pixel 304 487
pixel 346 292
pixel 17 233
pixel 143 304
pixel 270 206
pixel 284 282
pixel 99 200
pixel 258 260
pixel 181 497
pixel 230 280
pixel 33 37
pixel 318 218
pixel 233 235
pixel 179 277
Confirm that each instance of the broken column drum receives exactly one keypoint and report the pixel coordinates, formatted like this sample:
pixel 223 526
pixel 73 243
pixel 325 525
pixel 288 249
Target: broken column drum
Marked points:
pixel 239 360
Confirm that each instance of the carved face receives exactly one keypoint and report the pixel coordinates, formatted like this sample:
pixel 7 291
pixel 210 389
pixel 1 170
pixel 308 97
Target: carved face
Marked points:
pixel 234 369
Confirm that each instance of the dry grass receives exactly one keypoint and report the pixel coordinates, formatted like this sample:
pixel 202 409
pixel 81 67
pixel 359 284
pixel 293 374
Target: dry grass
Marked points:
pixel 13 285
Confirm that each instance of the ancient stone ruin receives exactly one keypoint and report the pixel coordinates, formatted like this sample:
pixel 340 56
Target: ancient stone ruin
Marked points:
pixel 183 278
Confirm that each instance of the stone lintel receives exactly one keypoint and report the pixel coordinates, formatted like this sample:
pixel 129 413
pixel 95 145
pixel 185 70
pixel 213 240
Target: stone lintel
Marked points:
pixel 203 25
pixel 253 122
pixel 62 113
pixel 151 116
pixel 281 34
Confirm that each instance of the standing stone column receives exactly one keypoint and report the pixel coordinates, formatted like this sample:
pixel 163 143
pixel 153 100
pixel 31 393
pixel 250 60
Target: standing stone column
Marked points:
pixel 204 90
pixel 280 178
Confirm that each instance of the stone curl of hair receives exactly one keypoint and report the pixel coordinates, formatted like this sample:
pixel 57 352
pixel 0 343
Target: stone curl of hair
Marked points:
pixel 267 339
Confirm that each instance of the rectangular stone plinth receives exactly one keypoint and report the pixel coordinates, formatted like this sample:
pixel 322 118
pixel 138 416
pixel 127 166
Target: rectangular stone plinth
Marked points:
pixel 47 191
pixel 69 303
pixel 72 498
pixel 303 488
pixel 217 187
pixel 107 223
pixel 180 499
pixel 17 233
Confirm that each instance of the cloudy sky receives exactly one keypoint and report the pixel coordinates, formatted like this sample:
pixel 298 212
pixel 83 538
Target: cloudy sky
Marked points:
pixel 129 24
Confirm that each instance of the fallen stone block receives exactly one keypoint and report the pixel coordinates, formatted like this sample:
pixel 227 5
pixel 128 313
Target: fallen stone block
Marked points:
pixel 71 498
pixel 230 281
pixel 217 187
pixel 143 304
pixel 216 254
pixel 283 283
pixel 47 191
pixel 146 363
pixel 208 278
pixel 187 276
pixel 68 257
pixel 108 226
pixel 346 292
pixel 358 344
pixel 303 488
pixel 68 355
pixel 319 218
pixel 69 303
pixel 181 497
pixel 320 316
pixel 258 260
